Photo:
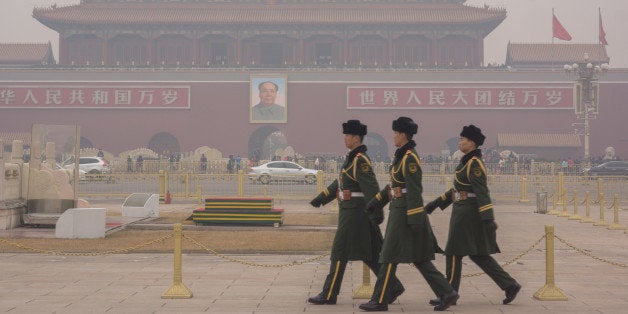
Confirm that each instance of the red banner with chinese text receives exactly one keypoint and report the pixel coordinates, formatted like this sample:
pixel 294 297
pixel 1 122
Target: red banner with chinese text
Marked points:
pixel 461 96
pixel 93 96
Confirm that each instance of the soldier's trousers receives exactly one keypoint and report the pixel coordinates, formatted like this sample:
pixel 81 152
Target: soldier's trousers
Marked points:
pixel 486 262
pixel 434 278
pixel 331 288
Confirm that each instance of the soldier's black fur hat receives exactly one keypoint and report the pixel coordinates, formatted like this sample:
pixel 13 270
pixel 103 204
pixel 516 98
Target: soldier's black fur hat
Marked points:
pixel 473 133
pixel 354 127
pixel 405 125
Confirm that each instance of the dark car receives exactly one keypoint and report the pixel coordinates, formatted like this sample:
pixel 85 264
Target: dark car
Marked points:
pixel 609 168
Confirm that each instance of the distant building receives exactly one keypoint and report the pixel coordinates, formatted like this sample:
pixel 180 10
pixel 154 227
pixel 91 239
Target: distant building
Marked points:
pixel 280 33
pixel 26 54
pixel 548 146
pixel 177 75
pixel 547 55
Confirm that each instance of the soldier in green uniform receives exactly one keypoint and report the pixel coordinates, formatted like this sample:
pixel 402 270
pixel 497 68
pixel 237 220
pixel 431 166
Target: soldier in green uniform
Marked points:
pixel 472 224
pixel 358 236
pixel 409 237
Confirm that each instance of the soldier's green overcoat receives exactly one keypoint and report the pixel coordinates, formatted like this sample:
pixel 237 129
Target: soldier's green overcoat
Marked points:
pixel 356 237
pixel 467 234
pixel 402 244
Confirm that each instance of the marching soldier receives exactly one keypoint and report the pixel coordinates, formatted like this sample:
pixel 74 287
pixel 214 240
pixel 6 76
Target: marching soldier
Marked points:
pixel 472 224
pixel 409 237
pixel 358 236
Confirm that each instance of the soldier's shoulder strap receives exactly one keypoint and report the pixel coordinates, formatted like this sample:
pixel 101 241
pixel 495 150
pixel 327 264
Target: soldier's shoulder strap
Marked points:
pixel 409 154
pixel 365 159
pixel 481 170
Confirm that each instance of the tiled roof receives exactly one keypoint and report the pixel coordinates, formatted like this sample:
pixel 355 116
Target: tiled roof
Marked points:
pixel 25 53
pixel 9 137
pixel 556 53
pixel 241 14
pixel 538 140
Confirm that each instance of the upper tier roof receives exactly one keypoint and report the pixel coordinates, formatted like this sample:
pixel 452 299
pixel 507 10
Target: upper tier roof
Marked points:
pixel 262 14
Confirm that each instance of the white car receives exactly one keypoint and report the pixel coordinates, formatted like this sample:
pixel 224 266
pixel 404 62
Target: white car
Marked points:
pixel 91 165
pixel 277 170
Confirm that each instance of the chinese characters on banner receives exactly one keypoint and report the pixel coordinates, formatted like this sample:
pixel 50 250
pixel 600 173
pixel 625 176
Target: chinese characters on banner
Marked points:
pixel 101 95
pixel 462 96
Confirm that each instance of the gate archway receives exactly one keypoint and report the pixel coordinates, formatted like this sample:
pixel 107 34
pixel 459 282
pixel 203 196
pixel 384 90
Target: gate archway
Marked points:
pixel 164 143
pixel 265 141
pixel 377 147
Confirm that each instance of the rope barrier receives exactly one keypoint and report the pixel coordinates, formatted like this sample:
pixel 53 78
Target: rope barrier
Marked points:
pixel 583 252
pixel 125 250
pixel 294 263
pixel 516 258
pixel 247 263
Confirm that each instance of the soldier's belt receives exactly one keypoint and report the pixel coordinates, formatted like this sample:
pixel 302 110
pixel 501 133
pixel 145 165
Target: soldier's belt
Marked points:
pixel 396 192
pixel 461 195
pixel 346 195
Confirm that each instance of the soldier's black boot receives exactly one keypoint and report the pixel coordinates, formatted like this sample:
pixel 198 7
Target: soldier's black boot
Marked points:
pixel 372 306
pixel 397 291
pixel 447 300
pixel 320 299
pixel 437 302
pixel 511 293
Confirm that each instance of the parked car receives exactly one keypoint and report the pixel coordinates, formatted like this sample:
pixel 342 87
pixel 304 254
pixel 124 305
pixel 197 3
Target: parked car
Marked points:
pixel 276 170
pixel 609 168
pixel 91 165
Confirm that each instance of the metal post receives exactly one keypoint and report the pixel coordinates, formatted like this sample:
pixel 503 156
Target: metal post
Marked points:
pixel 616 225
pixel 365 291
pixel 587 217
pixel 601 222
pixel 549 292
pixel 575 215
pixel 524 190
pixel 177 290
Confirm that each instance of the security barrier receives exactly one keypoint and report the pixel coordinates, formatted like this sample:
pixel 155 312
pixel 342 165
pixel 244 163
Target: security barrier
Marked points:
pixel 189 185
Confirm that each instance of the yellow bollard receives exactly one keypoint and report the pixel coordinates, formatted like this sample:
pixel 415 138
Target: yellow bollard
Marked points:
pixel 561 189
pixel 587 217
pixel 524 190
pixel 575 215
pixel 319 181
pixel 601 222
pixel 240 183
pixel 564 213
pixel 162 187
pixel 554 211
pixel 365 291
pixel 199 192
pixel 616 225
pixel 549 292
pixel 178 290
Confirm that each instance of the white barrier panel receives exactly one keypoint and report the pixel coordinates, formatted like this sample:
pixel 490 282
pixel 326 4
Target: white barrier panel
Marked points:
pixel 141 205
pixel 81 223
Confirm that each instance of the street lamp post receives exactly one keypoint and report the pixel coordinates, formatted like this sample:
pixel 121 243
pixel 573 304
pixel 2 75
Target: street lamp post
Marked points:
pixel 586 94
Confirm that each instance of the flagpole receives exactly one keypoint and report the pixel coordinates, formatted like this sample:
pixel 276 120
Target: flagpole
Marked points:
pixel 553 25
pixel 599 24
pixel 553 50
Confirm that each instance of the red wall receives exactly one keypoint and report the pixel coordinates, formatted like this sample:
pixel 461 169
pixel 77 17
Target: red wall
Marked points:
pixel 219 117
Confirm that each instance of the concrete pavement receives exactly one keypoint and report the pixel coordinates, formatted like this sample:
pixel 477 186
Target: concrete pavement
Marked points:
pixel 134 283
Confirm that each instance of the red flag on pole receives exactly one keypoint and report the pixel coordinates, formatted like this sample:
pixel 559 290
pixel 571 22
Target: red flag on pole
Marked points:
pixel 602 33
pixel 559 31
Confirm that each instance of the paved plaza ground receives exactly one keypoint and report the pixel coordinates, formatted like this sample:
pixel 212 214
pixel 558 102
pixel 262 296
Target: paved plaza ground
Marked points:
pixel 594 277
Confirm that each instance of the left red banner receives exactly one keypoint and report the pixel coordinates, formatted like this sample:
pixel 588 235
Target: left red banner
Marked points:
pixel 94 96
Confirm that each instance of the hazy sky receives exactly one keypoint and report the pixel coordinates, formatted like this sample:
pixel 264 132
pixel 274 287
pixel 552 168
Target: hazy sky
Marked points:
pixel 528 21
